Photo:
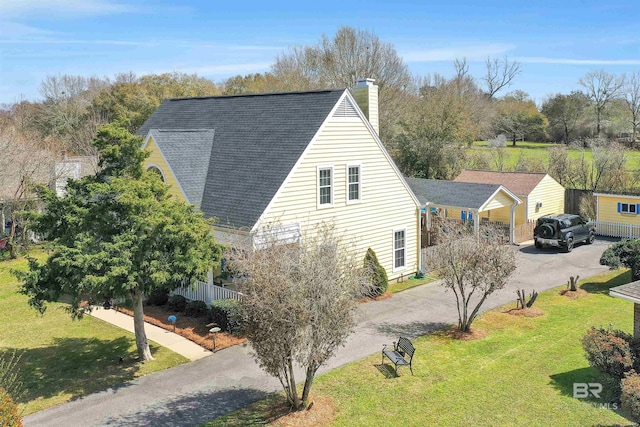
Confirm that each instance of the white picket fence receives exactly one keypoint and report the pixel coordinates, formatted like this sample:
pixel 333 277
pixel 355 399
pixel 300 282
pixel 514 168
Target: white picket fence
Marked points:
pixel 207 292
pixel 615 229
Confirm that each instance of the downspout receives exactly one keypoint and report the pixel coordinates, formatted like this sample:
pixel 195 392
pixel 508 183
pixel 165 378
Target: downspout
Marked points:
pixel 476 223
pixel 512 229
pixel 419 263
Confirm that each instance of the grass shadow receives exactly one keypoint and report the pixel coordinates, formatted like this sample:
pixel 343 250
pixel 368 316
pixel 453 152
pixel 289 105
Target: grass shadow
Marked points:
pixel 387 370
pixel 603 287
pixel 75 366
pixel 564 381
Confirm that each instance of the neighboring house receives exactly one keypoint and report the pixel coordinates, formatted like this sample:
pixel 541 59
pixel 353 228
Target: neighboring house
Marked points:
pixel 540 194
pixel 617 215
pixel 71 167
pixel 466 201
pixel 291 159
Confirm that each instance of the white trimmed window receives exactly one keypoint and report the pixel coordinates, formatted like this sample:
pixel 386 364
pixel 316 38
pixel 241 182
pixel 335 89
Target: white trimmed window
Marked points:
pixel 399 248
pixel 353 183
pixel 630 208
pixel 157 170
pixel 325 186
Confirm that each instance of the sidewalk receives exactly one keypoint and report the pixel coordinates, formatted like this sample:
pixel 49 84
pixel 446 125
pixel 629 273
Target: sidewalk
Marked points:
pixel 172 341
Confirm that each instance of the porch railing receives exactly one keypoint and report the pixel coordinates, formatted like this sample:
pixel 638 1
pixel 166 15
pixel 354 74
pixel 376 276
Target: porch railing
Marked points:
pixel 207 292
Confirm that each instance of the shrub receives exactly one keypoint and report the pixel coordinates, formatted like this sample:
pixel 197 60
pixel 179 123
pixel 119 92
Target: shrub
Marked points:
pixel 177 303
pixel 608 351
pixel 379 277
pixel 630 396
pixel 158 297
pixel 227 314
pixel 9 416
pixel 196 309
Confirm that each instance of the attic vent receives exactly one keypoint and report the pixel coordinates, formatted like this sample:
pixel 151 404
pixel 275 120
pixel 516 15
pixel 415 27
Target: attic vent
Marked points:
pixel 346 109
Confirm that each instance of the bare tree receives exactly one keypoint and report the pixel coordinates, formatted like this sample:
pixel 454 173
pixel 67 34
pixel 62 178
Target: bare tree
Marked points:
pixel 602 87
pixel 462 68
pixel 23 163
pixel 499 73
pixel 631 91
pixel 472 268
pixel 299 302
pixel 340 60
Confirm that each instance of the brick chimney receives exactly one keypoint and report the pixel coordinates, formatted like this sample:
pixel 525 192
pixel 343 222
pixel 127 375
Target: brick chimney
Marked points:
pixel 366 95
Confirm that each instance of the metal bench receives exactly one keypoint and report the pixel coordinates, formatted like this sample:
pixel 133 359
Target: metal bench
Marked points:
pixel 399 353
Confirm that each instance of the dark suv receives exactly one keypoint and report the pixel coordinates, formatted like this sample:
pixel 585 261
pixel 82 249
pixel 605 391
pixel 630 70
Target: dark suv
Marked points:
pixel 563 231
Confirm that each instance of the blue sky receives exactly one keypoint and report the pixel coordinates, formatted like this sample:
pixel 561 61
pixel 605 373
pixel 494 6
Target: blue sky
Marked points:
pixel 556 41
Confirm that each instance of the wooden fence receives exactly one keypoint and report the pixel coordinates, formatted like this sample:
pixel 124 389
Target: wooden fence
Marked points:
pixel 524 232
pixel 207 292
pixel 572 197
pixel 615 229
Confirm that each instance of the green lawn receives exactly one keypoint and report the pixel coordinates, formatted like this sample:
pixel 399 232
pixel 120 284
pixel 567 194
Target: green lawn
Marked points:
pixel 539 150
pixel 61 358
pixel 409 283
pixel 520 374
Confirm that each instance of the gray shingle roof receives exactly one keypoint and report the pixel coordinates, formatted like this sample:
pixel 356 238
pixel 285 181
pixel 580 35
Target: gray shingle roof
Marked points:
pixel 450 193
pixel 188 153
pixel 258 139
pixel 630 291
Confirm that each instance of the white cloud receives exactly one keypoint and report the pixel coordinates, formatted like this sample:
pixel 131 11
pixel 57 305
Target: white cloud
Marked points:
pixel 571 61
pixel 17 30
pixel 471 52
pixel 66 41
pixel 10 9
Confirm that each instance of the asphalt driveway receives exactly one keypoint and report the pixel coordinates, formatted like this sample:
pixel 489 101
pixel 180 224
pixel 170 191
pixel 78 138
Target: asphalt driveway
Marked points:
pixel 191 394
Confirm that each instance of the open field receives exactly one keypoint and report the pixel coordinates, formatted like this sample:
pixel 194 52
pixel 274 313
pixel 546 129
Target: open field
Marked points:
pixel 539 150
pixel 521 373
pixel 64 359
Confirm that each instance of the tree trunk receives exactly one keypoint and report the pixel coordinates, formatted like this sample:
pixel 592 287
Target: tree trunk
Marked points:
pixel 513 140
pixel 311 373
pixel 293 390
pixel 144 353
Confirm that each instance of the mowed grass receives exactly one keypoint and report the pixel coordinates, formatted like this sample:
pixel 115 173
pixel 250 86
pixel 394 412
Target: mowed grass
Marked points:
pixel 409 283
pixel 520 374
pixel 540 151
pixel 63 359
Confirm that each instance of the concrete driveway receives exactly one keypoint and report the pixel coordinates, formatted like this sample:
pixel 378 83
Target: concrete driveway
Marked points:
pixel 191 394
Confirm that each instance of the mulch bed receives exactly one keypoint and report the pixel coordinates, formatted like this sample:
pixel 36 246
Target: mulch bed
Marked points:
pixel 322 413
pixel 193 329
pixel 574 294
pixel 457 334
pixel 526 312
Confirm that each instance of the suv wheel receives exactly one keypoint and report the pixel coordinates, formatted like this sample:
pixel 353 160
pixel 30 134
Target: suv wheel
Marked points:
pixel 569 247
pixel 592 237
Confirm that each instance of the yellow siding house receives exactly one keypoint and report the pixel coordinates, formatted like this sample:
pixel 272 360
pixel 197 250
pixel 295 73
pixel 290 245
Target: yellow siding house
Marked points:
pixel 617 215
pixel 290 159
pixel 540 193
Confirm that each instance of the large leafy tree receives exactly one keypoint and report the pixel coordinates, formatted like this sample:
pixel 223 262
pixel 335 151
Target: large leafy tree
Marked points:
pixel 130 100
pixel 518 117
pixel 566 114
pixel 117 234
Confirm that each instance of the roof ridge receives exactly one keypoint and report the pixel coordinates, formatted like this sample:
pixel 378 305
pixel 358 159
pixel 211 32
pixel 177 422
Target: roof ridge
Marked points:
pixel 183 130
pixel 513 172
pixel 246 95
